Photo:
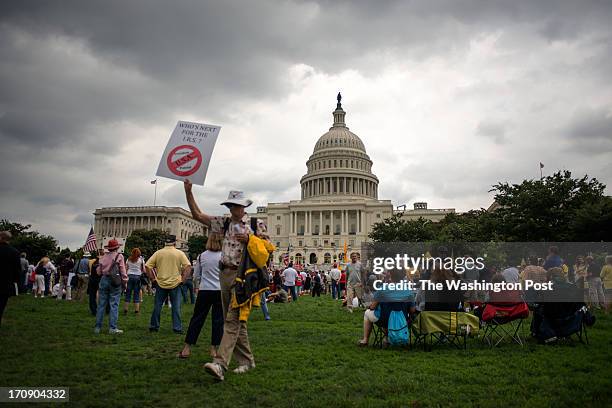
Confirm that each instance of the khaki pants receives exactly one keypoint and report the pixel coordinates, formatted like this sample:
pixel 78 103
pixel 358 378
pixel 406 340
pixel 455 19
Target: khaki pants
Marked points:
pixel 81 289
pixel 353 291
pixel 235 339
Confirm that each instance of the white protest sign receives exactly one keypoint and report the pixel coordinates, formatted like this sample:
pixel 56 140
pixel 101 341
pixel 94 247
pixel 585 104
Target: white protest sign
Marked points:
pixel 188 152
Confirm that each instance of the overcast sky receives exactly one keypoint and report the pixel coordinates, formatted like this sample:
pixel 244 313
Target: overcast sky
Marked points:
pixel 449 98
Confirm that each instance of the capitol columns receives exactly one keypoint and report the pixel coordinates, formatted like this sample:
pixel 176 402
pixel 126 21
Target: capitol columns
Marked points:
pixel 321 222
pixel 361 217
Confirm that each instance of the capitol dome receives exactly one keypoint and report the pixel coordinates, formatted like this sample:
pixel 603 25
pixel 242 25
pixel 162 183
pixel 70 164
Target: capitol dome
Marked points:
pixel 339 164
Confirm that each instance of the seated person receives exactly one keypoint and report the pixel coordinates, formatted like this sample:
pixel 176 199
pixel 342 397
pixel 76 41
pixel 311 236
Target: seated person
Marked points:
pixel 556 315
pixel 383 303
pixel 446 300
pixel 280 296
pixel 503 297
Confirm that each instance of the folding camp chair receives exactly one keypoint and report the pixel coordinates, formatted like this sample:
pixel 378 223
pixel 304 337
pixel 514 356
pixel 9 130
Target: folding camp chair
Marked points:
pixel 380 328
pixel 504 321
pixel 564 327
pixel 565 331
pixel 379 335
pixel 434 328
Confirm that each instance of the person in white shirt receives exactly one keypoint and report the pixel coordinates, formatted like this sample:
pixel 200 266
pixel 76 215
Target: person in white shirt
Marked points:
pixel 135 268
pixel 511 275
pixel 303 275
pixel 334 274
pixel 289 275
pixel 49 276
pixel 206 271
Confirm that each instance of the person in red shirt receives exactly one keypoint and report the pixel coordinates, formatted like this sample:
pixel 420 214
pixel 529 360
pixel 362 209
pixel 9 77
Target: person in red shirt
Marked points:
pixel 342 285
pixel 298 284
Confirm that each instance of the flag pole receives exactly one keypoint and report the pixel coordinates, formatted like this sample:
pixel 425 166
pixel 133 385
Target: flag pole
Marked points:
pixel 155 196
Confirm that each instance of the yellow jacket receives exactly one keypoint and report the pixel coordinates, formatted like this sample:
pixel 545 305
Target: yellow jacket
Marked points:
pixel 606 276
pixel 252 279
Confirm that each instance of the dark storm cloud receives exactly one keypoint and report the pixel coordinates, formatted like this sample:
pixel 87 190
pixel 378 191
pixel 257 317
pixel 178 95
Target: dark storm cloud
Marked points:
pixel 590 131
pixel 75 75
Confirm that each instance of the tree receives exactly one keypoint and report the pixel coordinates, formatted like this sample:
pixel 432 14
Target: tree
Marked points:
pixel 557 208
pixel 543 210
pixel 148 241
pixel 196 245
pixel 593 222
pixel 396 229
pixel 34 244
pixel 14 228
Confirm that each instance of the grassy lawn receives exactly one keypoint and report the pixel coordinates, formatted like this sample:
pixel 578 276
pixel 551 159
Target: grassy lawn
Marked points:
pixel 306 356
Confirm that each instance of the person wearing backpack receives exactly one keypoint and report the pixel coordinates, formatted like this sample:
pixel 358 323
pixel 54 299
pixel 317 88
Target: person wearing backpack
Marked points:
pixel 236 231
pixel 391 310
pixel 113 278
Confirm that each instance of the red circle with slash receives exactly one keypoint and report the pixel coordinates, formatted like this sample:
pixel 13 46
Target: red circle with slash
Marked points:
pixel 184 160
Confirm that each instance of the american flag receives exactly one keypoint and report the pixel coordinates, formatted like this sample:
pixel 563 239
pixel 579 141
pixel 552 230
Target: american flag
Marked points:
pixel 90 243
pixel 286 256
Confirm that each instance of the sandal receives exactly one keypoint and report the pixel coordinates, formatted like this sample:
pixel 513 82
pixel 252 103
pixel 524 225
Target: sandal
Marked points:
pixel 361 343
pixel 181 355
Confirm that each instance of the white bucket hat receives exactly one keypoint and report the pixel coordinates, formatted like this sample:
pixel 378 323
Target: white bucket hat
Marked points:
pixel 237 198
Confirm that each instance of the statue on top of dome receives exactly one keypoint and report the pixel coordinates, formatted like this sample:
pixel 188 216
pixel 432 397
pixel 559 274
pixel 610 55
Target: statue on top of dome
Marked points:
pixel 339 98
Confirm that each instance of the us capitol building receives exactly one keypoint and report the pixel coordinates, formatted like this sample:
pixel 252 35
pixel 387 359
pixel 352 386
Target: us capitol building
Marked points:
pixel 339 201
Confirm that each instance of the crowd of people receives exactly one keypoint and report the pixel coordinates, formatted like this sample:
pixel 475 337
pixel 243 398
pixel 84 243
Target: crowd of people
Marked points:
pixel 583 285
pixel 171 279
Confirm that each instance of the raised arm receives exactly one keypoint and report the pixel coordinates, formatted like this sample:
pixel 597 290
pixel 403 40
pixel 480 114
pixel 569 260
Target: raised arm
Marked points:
pixel 196 213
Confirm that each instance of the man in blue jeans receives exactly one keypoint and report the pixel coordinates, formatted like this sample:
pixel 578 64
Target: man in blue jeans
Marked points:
pixel 173 268
pixel 334 274
pixel 289 275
